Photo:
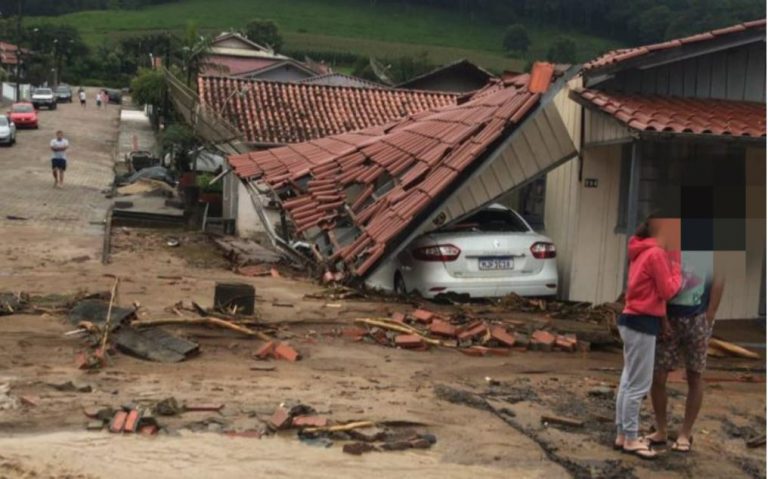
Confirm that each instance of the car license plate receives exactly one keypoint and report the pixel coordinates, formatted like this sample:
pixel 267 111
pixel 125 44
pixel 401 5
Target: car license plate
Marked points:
pixel 491 264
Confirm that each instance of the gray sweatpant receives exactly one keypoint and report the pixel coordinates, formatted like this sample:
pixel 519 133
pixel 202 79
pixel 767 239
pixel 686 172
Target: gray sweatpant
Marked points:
pixel 636 379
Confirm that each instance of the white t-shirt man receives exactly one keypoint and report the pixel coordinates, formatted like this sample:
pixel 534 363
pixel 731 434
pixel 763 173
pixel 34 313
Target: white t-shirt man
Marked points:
pixel 59 147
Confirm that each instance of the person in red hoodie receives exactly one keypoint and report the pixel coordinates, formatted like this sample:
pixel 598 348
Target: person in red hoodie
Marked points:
pixel 654 278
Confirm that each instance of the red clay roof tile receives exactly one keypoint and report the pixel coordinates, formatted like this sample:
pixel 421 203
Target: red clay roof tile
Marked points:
pixel 280 113
pixel 376 181
pixel 681 115
pixel 623 54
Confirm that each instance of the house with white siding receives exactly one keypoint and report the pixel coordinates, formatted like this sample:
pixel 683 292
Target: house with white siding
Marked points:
pixel 680 125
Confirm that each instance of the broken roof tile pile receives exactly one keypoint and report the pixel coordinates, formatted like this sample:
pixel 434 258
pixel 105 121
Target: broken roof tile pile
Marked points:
pixel 351 194
pixel 278 113
pixel 623 54
pixel 681 115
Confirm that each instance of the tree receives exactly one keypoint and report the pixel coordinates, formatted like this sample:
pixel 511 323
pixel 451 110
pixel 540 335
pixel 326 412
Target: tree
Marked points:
pixel 194 52
pixel 562 50
pixel 264 32
pixel 516 39
pixel 148 87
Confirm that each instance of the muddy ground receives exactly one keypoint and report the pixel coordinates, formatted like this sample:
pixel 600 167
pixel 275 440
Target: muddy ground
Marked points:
pixel 483 428
pixel 485 412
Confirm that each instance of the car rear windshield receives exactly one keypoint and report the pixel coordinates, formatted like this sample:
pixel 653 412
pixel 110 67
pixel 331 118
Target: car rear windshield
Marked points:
pixel 43 91
pixel 22 108
pixel 491 220
pixel 3 121
pixel 62 89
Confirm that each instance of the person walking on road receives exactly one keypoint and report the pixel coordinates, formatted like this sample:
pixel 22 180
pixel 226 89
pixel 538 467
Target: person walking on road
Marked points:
pixel 98 100
pixel 685 335
pixel 654 278
pixel 59 147
pixel 81 94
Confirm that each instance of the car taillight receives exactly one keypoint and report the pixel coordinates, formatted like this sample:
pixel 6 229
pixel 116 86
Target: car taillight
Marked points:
pixel 441 252
pixel 543 250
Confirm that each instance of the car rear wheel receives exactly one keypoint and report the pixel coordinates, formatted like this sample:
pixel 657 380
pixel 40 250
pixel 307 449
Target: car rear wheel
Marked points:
pixel 400 287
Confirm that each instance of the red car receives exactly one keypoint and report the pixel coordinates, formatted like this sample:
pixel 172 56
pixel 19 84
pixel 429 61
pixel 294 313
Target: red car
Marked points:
pixel 24 115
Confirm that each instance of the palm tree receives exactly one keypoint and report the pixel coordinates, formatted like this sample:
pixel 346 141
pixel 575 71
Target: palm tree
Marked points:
pixel 194 52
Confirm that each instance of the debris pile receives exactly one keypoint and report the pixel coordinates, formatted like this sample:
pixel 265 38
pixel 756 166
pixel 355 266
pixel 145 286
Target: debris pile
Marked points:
pixel 605 314
pixel 422 329
pixel 358 436
pixel 11 303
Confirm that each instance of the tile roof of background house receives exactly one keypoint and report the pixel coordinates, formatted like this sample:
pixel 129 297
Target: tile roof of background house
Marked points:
pixel 621 55
pixel 8 53
pixel 229 65
pixel 461 65
pixel 364 189
pixel 278 113
pixel 340 79
pixel 702 116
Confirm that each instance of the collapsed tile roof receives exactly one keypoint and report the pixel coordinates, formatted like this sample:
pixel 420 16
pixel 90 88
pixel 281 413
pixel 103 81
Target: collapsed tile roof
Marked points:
pixel 704 116
pixel 350 195
pixel 268 112
pixel 621 55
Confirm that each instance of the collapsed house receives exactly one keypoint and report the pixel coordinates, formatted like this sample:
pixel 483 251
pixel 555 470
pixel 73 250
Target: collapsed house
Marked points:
pixel 356 199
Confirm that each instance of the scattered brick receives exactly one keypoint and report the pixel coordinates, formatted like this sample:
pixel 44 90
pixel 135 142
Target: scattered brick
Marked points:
pixel 502 336
pixel 522 340
pixel 310 421
pixel 409 341
pixel 475 351
pixel 118 422
pixel 274 272
pixel 498 351
pixel 565 343
pixel 132 421
pixel 148 429
pixel 280 419
pixel 30 401
pixel 354 332
pixel 284 351
pixel 442 328
pixel 542 340
pixel 473 332
pixel 358 448
pixel 266 350
pixel 398 318
pixel 422 315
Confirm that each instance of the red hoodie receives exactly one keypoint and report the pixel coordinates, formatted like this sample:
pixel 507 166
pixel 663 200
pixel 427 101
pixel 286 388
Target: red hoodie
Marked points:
pixel 654 277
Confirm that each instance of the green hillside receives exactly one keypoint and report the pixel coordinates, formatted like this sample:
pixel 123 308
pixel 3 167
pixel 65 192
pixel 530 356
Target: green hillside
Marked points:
pixel 334 26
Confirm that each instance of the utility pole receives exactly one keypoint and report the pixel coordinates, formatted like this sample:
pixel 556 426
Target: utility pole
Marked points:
pixel 18 49
pixel 167 67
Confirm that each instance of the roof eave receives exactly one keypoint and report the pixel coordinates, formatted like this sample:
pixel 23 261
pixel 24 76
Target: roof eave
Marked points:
pixel 595 75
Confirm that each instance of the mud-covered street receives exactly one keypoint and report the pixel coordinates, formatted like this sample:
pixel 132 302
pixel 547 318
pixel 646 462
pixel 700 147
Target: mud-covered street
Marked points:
pixel 486 413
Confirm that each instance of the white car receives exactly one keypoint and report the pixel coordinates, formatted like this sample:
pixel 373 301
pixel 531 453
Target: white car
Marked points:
pixel 7 131
pixel 44 97
pixel 489 254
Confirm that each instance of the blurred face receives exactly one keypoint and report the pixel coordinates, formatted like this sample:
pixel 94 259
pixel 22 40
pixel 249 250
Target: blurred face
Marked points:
pixel 666 231
pixel 59 135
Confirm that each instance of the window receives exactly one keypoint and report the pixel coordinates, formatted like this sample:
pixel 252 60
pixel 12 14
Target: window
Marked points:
pixel 491 220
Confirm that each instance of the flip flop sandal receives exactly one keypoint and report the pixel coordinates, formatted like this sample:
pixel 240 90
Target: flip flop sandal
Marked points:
pixel 645 453
pixel 652 442
pixel 683 448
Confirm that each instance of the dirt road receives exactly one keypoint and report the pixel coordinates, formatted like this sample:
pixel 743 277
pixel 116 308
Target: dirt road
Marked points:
pixel 340 378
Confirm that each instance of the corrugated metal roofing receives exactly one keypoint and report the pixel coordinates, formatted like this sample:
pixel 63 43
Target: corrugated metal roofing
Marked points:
pixel 701 116
pixel 351 194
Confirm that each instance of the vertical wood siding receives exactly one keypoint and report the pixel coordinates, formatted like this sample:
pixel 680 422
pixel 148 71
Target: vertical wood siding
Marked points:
pixel 734 74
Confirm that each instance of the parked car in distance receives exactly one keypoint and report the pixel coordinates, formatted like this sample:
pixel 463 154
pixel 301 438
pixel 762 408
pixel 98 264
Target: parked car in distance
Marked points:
pixel 63 94
pixel 115 96
pixel 23 115
pixel 489 254
pixel 7 131
pixel 44 97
